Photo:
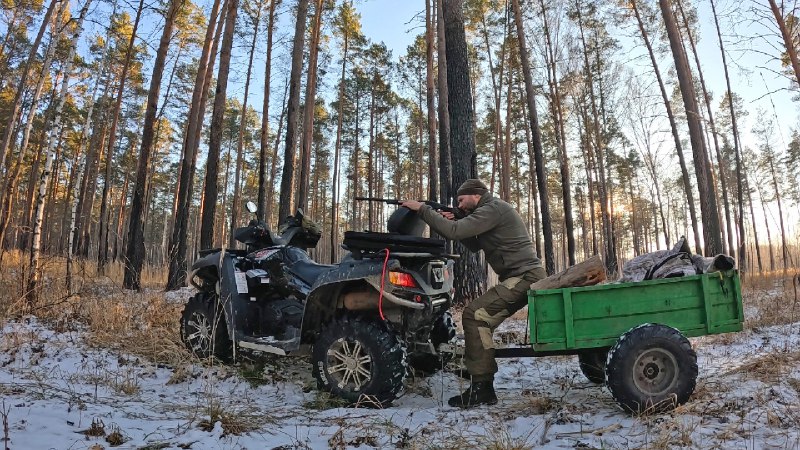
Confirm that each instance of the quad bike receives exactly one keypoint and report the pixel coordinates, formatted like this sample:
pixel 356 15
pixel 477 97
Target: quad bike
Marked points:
pixel 364 321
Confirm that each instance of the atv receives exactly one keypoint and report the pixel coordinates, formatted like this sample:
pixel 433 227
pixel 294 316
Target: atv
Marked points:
pixel 364 321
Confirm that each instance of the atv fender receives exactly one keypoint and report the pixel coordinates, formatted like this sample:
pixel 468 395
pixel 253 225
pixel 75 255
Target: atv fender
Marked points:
pixel 323 299
pixel 203 271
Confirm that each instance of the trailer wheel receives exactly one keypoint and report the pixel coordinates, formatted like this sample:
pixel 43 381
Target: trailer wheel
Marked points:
pixel 359 360
pixel 593 364
pixel 652 368
pixel 444 331
pixel 203 328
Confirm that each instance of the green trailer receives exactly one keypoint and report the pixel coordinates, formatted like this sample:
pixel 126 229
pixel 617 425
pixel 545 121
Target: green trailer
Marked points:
pixel 633 336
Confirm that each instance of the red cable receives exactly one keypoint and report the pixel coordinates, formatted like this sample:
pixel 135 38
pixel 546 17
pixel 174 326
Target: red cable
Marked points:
pixel 383 279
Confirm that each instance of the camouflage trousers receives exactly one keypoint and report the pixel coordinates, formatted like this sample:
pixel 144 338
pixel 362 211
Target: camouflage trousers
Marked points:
pixel 483 315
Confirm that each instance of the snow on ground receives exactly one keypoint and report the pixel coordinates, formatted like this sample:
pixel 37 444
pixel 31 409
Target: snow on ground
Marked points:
pixel 59 393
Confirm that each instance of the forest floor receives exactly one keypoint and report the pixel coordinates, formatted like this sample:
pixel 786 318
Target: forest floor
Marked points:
pixel 106 369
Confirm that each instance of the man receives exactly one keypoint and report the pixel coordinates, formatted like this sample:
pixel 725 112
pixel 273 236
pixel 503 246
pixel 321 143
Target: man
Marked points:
pixel 493 226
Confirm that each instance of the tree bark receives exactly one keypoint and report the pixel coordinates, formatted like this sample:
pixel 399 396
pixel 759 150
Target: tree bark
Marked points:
pixel 443 112
pixel 34 274
pixel 102 254
pixel 541 179
pixel 287 179
pixel 561 139
pixel 12 175
pixel 337 147
pixel 135 252
pixel 714 134
pixel 27 68
pixel 191 141
pixel 308 111
pixel 261 213
pixel 788 40
pixel 687 185
pixel 586 273
pixel 469 274
pixel 211 190
pixel 240 140
pixel 708 202
pixel 739 187
pixel 598 155
pixel 433 177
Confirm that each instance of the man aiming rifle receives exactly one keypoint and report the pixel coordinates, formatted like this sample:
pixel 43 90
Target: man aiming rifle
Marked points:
pixel 494 226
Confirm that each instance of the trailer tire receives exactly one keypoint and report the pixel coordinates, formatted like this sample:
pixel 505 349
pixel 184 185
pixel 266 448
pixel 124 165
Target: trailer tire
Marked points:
pixel 203 328
pixel 652 368
pixel 593 364
pixel 444 331
pixel 360 360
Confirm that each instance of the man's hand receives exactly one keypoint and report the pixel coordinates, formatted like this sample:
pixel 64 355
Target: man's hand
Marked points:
pixel 447 215
pixel 411 204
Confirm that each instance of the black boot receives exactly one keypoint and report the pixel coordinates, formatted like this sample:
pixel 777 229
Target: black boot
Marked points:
pixel 480 393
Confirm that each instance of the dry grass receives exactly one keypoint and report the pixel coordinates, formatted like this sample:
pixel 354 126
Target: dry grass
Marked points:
pixel 771 298
pixel 769 368
pixel 141 323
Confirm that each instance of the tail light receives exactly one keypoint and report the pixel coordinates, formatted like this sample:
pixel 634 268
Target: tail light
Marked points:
pixel 402 279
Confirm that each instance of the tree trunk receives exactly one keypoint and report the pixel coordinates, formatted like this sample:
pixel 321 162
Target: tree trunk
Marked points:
pixel 712 125
pixel 135 252
pixel 308 111
pixel 433 177
pixel 687 185
pixel 541 180
pixel 445 156
pixel 784 248
pixel 12 176
pixel 708 202
pixel 287 179
pixel 753 222
pixel 178 245
pixel 469 274
pixel 766 226
pixel 34 273
pixel 240 140
pixel 27 68
pixel 561 139
pixel 496 87
pixel 788 39
pixel 598 156
pixel 261 213
pixel 337 147
pixel 273 171
pixel 739 188
pixel 211 190
pixel 102 254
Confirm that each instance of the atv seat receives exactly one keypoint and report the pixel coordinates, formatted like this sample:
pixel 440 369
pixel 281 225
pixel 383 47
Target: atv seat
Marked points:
pixel 370 244
pixel 308 270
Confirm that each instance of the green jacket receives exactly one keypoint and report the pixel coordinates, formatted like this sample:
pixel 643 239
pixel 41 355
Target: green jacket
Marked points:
pixel 494 227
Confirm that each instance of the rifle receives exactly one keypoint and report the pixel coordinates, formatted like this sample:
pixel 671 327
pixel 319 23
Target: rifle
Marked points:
pixel 435 205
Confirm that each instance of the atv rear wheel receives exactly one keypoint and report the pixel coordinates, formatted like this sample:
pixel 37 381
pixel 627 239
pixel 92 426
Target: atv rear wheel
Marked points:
pixel 652 368
pixel 593 364
pixel 203 328
pixel 359 360
pixel 444 331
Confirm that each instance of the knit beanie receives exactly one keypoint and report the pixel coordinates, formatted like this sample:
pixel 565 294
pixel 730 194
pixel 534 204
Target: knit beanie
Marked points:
pixel 472 187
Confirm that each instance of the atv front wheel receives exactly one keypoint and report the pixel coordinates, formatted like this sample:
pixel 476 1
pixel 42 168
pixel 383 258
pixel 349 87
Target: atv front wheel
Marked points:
pixel 359 360
pixel 203 328
pixel 593 364
pixel 444 331
pixel 652 368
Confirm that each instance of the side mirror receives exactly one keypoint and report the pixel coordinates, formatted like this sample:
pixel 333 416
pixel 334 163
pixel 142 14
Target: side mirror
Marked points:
pixel 251 207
